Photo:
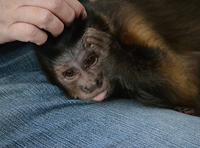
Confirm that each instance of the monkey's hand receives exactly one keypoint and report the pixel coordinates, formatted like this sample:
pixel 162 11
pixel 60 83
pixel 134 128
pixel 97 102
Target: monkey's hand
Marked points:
pixel 97 41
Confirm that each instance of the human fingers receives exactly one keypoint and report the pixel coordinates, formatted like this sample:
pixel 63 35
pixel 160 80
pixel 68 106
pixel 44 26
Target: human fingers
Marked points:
pixel 26 33
pixel 65 10
pixel 77 7
pixel 42 18
pixel 35 15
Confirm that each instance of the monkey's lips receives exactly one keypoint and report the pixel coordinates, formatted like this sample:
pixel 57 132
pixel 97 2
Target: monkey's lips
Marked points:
pixel 101 96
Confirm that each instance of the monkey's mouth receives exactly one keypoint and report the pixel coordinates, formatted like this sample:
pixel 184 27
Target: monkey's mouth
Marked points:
pixel 102 95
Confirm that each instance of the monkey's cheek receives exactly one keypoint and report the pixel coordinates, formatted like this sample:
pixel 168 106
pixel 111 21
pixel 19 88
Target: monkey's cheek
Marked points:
pixel 101 96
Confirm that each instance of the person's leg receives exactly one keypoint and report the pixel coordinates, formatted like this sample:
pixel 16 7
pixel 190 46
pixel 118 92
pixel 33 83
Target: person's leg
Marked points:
pixel 34 113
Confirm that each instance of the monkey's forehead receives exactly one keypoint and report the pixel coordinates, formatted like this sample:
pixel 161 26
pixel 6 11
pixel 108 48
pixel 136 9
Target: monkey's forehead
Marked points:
pixel 72 51
pixel 66 56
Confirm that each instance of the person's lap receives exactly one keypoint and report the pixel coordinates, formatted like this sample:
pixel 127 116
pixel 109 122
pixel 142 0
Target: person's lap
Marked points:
pixel 34 113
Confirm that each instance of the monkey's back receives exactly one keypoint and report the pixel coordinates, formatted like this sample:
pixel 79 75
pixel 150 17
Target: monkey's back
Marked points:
pixel 174 23
pixel 171 26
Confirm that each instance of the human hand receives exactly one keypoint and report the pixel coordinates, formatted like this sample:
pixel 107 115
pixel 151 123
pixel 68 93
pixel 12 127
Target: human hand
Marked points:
pixel 24 20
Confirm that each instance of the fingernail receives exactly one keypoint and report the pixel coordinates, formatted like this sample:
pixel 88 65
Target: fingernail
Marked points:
pixel 83 14
pixel 69 24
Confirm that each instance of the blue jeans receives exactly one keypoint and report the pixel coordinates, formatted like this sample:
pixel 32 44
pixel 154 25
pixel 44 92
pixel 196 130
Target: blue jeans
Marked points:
pixel 34 113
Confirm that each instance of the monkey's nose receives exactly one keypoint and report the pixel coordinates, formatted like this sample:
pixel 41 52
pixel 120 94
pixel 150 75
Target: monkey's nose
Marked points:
pixel 99 83
pixel 92 86
pixel 88 89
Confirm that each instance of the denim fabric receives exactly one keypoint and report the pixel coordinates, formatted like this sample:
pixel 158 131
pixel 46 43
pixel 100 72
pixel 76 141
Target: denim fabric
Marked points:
pixel 34 113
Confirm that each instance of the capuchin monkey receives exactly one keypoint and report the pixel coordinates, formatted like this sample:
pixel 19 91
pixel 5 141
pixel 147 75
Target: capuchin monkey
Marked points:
pixel 144 50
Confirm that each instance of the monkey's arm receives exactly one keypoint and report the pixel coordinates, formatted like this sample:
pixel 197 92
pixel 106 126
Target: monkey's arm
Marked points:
pixel 151 76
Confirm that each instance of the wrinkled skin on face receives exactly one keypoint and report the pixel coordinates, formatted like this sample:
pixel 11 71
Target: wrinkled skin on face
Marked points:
pixel 83 72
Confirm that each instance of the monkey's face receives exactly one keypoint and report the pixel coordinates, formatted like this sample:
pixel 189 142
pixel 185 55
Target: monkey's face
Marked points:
pixel 82 72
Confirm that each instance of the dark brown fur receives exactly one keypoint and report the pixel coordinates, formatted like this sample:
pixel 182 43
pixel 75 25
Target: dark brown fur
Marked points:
pixel 150 50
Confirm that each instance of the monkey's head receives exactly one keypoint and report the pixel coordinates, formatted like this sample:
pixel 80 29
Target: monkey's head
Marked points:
pixel 77 62
pixel 82 73
pixel 81 69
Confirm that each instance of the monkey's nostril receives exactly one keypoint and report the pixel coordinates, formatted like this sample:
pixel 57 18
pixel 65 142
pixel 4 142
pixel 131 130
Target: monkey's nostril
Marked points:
pixel 87 89
pixel 99 82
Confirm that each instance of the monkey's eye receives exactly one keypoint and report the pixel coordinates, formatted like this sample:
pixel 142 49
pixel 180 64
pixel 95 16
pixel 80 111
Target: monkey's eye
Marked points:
pixel 91 60
pixel 70 73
